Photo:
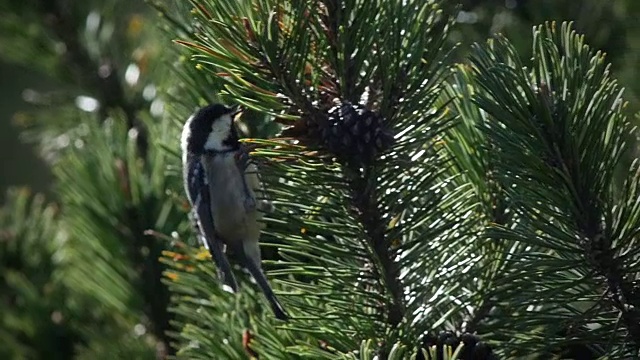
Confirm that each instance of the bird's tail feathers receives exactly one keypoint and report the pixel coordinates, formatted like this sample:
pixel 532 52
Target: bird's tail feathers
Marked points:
pixel 261 279
pixel 215 246
pixel 222 263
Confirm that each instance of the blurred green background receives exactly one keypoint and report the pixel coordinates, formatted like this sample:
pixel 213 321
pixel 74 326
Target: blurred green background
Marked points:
pixel 33 66
pixel 19 162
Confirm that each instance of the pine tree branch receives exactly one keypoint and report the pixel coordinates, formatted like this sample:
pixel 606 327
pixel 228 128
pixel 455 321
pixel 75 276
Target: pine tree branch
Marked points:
pixel 558 133
pixel 598 248
pixel 600 254
pixel 104 81
pixel 488 196
pixel 364 197
pixel 110 199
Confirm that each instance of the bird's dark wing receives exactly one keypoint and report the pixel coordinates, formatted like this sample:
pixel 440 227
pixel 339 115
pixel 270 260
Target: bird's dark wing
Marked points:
pixel 201 201
pixel 258 199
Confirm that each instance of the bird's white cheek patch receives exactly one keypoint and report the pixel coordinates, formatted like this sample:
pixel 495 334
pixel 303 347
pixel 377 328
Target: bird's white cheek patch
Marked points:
pixel 219 132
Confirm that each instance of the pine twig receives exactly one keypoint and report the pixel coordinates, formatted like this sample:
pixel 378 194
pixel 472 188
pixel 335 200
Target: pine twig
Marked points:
pixel 367 210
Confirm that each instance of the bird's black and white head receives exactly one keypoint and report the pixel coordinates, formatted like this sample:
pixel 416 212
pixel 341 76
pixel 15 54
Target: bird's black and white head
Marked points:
pixel 210 129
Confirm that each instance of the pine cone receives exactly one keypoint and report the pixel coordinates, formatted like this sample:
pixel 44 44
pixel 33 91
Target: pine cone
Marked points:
pixel 354 134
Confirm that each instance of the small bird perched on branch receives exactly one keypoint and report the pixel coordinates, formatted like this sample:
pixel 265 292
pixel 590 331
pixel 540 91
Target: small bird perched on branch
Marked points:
pixel 221 185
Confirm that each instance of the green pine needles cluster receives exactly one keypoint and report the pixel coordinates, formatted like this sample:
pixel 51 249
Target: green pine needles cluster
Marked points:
pixel 426 207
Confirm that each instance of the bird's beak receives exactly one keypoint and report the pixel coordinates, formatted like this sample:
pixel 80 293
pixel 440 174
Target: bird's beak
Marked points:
pixel 234 111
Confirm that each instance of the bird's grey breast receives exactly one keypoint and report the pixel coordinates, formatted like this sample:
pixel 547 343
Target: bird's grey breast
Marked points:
pixel 228 194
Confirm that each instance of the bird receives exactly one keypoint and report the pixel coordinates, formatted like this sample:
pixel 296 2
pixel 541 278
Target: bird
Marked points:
pixel 222 185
